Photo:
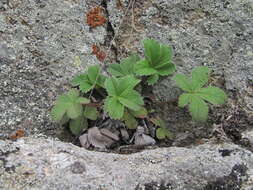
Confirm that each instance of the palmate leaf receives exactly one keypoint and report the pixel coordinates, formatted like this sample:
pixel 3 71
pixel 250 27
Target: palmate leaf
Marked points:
pixel 198 109
pixel 200 77
pixel 77 125
pixel 183 82
pixel 141 113
pixel 184 99
pixel 158 55
pixel 166 70
pixel 197 95
pixel 127 83
pixel 213 95
pixel 157 61
pixel 69 104
pixel 114 107
pixel 90 112
pixel 130 121
pixel 162 133
pixel 122 94
pixel 116 86
pixel 131 99
pixel 89 80
pixel 153 79
pixel 143 68
pixel 126 67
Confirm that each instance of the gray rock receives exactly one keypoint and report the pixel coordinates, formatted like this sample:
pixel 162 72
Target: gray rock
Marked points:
pixel 39 163
pixel 38 43
pixel 213 33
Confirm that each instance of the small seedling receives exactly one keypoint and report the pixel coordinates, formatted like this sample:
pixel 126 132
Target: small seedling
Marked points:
pixel 121 94
pixel 157 61
pixel 196 96
pixel 91 79
pixel 70 107
pixel 162 132
pixel 126 67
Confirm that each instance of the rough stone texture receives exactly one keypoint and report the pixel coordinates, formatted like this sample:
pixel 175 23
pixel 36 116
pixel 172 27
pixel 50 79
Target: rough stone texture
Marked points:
pixel 215 33
pixel 38 163
pixel 38 43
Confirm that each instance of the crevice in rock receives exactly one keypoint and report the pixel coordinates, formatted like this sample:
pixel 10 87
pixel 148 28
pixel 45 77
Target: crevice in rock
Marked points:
pixel 110 32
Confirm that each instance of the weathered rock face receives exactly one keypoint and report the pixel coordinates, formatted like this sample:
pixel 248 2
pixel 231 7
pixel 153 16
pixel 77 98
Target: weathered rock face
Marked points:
pixel 215 33
pixel 38 43
pixel 38 163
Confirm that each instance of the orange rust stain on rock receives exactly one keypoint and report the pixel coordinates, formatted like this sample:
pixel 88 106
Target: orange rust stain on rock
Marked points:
pixel 99 53
pixel 95 17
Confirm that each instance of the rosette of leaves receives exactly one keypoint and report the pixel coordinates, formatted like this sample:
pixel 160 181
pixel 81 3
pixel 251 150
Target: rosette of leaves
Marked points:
pixel 126 66
pixel 91 79
pixel 69 107
pixel 157 62
pixel 121 95
pixel 196 96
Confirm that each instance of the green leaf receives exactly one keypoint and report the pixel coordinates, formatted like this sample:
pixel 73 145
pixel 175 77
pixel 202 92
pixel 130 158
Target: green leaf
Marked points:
pixel 77 80
pixel 141 113
pixel 90 112
pixel 213 95
pixel 184 99
pixel 115 70
pixel 73 94
pixel 93 73
pixel 198 109
pixel 127 83
pixel 130 121
pixel 182 82
pixel 162 133
pixel 83 82
pixel 111 86
pixel 64 119
pixel 114 107
pixel 101 80
pixel 157 54
pixel 132 59
pixel 158 122
pixel 131 99
pixel 58 111
pixel 67 103
pixel 83 100
pixel 78 125
pixel 153 79
pixel 166 70
pixel 143 68
pixel 200 77
pixel 75 110
pixel 89 80
pixel 126 67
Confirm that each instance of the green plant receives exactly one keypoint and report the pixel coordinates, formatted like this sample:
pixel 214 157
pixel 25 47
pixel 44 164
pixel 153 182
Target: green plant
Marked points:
pixel 91 79
pixel 126 67
pixel 157 61
pixel 121 94
pixel 70 107
pixel 195 95
pixel 162 131
pixel 117 95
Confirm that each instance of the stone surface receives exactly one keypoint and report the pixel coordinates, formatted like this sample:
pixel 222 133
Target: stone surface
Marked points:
pixel 39 163
pixel 215 33
pixel 38 43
